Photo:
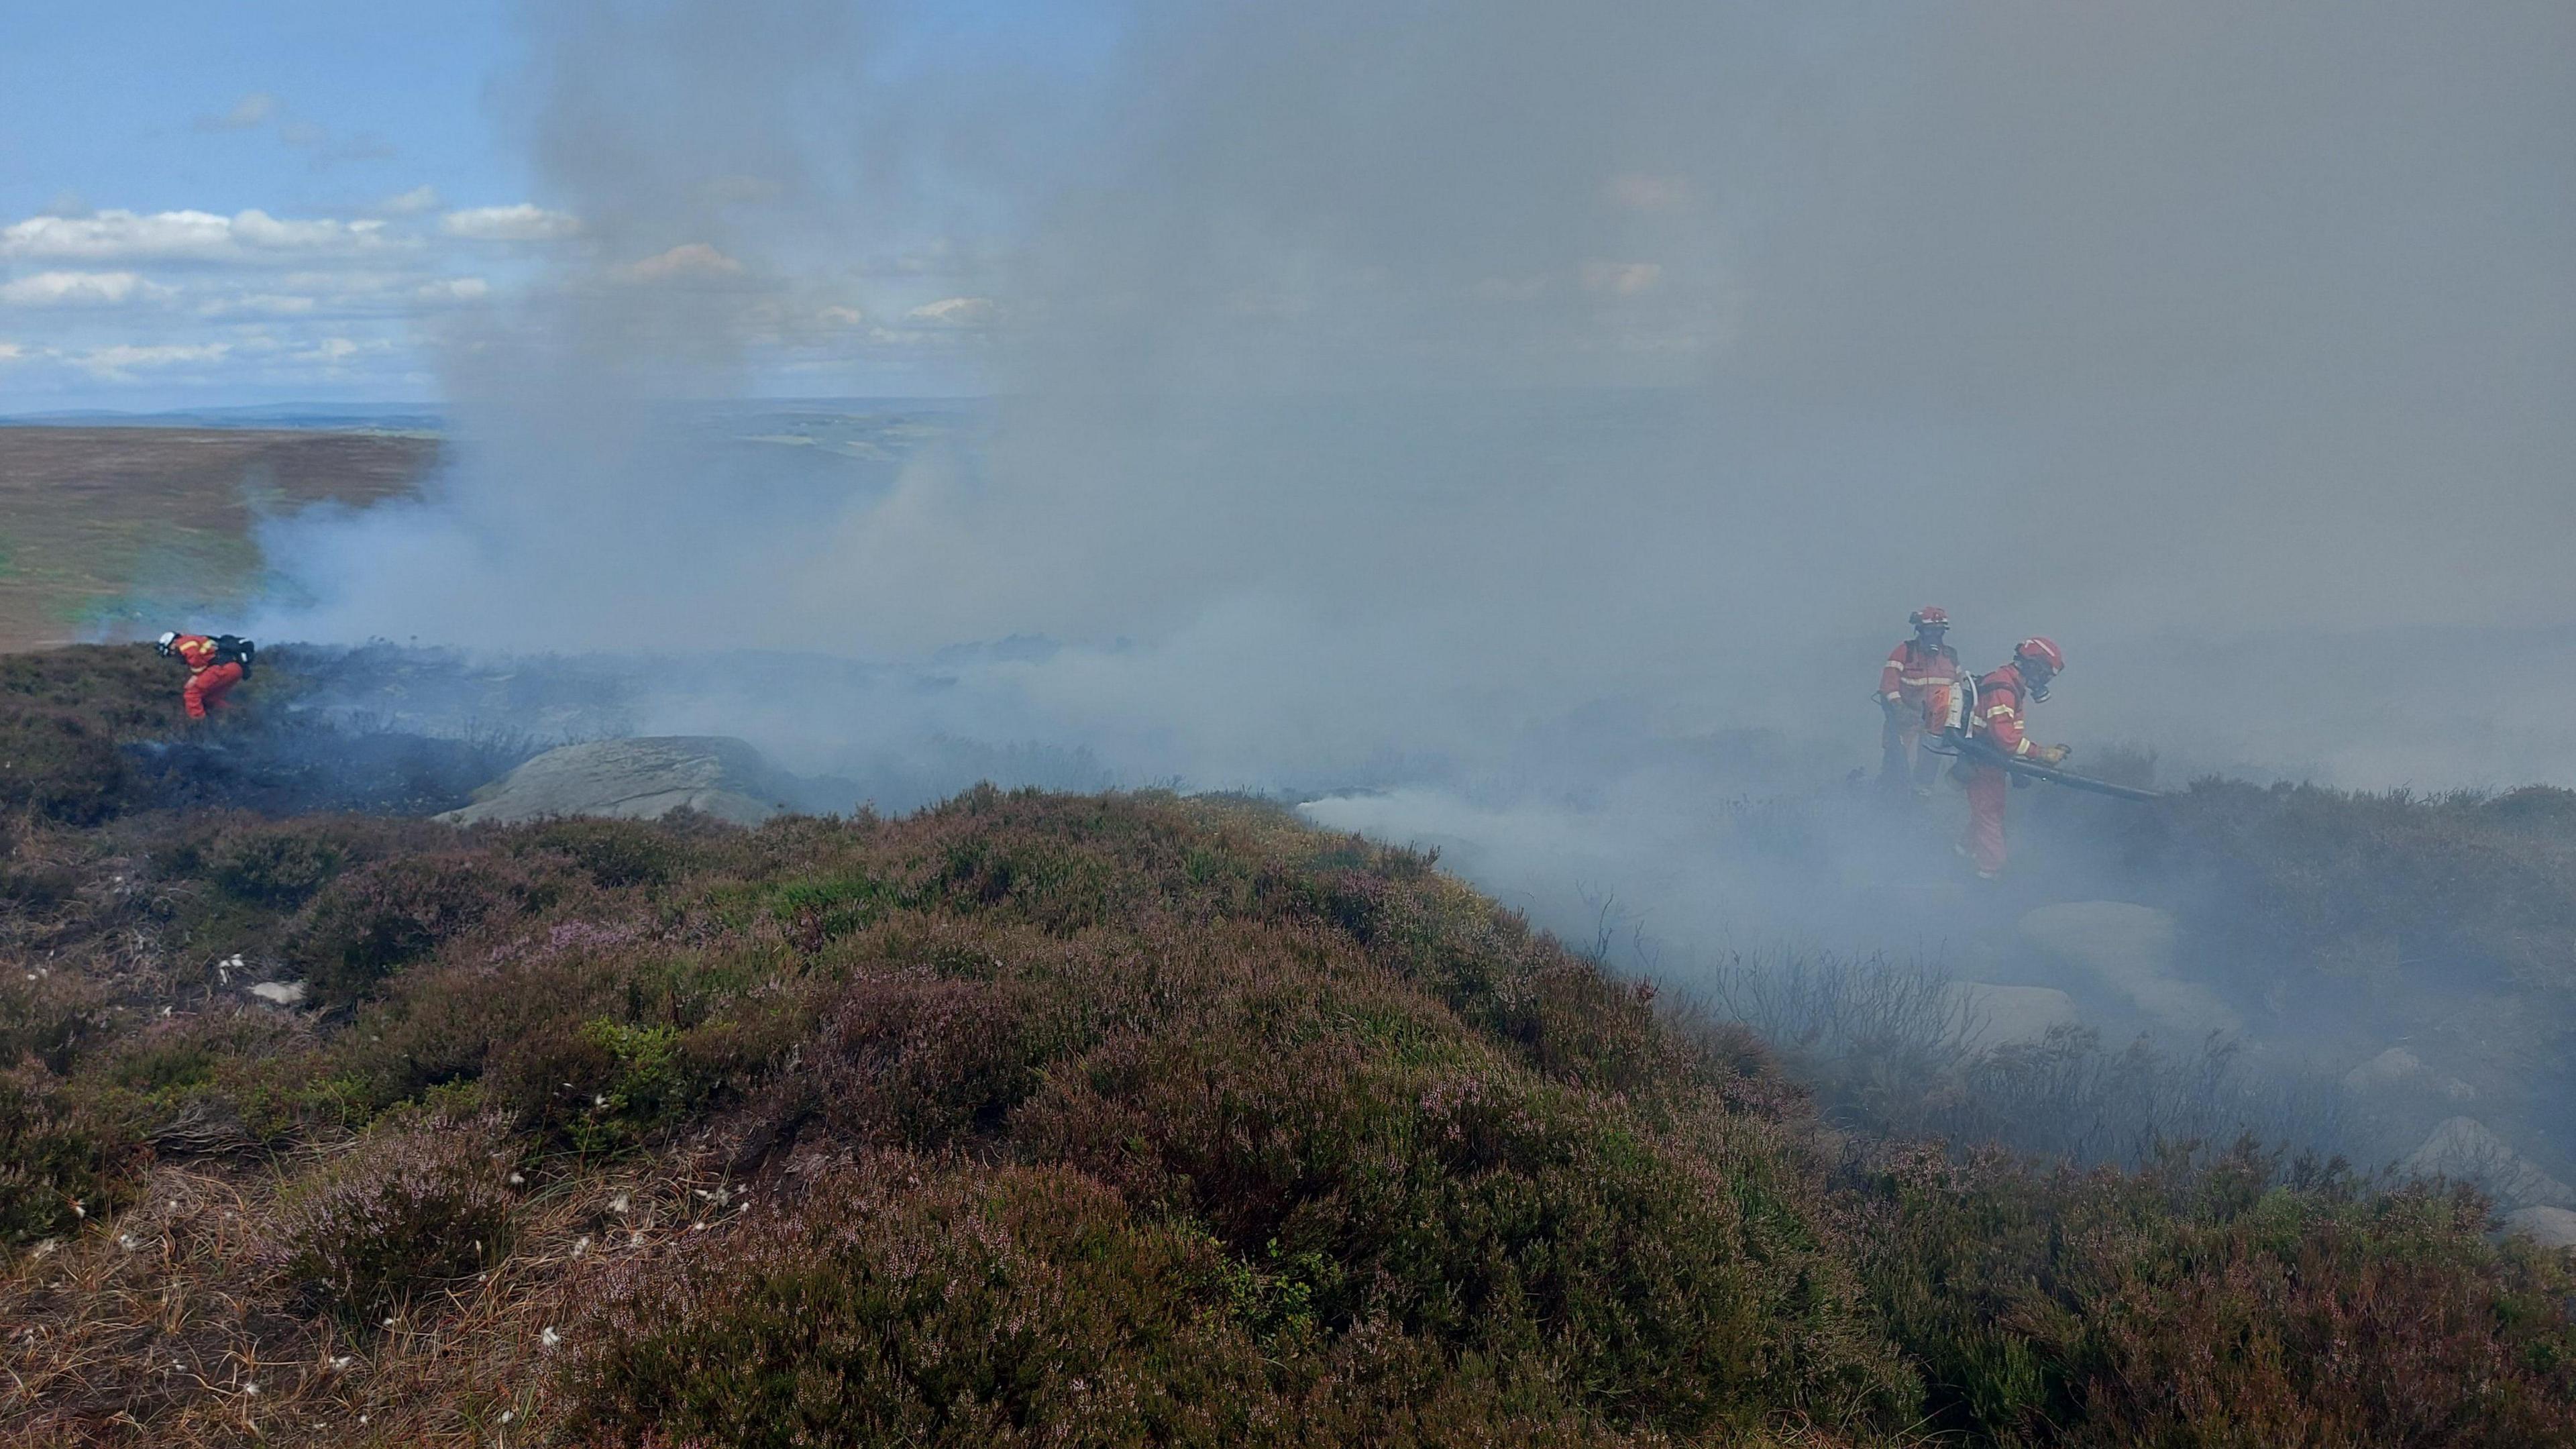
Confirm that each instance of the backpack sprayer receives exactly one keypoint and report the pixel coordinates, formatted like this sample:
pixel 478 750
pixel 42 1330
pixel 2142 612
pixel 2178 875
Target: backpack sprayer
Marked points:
pixel 1955 741
pixel 1975 751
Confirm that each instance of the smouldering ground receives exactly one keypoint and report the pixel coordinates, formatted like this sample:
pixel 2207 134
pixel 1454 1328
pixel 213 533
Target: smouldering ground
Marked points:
pixel 99 525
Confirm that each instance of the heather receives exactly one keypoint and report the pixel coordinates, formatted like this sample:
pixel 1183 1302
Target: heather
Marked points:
pixel 1110 1119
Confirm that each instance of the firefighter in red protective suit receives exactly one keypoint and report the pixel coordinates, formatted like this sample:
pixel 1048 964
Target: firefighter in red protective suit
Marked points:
pixel 1919 689
pixel 214 666
pixel 2003 700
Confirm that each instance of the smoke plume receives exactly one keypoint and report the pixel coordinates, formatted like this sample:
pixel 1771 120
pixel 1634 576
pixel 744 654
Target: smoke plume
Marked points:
pixel 1395 381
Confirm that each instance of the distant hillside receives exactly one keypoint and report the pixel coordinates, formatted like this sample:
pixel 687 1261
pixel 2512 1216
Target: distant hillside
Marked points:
pixel 114 529
pixel 1046 1119
pixel 290 416
pixel 115 524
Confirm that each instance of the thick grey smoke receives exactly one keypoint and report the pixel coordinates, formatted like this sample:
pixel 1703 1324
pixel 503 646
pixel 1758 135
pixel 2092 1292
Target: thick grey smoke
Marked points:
pixel 1486 397
pixel 1396 380
pixel 1543 414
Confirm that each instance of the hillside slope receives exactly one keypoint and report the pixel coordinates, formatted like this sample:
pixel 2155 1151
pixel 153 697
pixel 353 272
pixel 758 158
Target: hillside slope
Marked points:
pixel 1078 1120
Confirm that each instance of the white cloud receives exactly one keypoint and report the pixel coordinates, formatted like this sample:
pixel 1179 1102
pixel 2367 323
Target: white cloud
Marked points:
pixel 957 312
pixel 525 222
pixel 1641 191
pixel 1510 289
pixel 841 316
pixel 688 260
pixel 411 203
pixel 454 289
pixel 81 289
pixel 183 235
pixel 114 363
pixel 1622 279
pixel 333 351
pixel 251 110
pixel 11 352
pixel 259 229
pixel 261 304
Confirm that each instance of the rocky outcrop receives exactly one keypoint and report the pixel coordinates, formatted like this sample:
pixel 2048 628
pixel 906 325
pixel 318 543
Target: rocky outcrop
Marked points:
pixel 2129 950
pixel 2398 1069
pixel 634 779
pixel 2395 1067
pixel 1993 1017
pixel 2550 1227
pixel 2463 1149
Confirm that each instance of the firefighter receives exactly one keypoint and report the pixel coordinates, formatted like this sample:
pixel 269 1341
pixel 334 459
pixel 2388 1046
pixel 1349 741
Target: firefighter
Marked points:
pixel 1918 689
pixel 2003 700
pixel 214 665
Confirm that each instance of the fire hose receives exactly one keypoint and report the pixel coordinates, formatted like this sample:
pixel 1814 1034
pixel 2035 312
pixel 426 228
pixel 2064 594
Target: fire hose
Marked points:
pixel 1977 751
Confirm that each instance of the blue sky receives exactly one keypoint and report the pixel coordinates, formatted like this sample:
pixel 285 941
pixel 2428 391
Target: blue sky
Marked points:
pixel 203 205
pixel 141 105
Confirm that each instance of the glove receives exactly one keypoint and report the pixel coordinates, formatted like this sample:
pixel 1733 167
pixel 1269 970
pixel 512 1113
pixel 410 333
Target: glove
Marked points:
pixel 2051 754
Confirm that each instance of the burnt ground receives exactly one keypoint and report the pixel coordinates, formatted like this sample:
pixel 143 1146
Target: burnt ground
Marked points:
pixel 102 525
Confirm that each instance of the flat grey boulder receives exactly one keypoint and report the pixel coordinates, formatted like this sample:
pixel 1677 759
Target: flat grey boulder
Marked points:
pixel 2464 1149
pixel 633 779
pixel 2129 950
pixel 2550 1227
pixel 2393 1067
pixel 2397 1068
pixel 1993 1017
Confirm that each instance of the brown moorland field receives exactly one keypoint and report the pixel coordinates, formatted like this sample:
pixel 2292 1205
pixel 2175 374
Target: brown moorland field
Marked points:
pixel 97 524
pixel 1030 1119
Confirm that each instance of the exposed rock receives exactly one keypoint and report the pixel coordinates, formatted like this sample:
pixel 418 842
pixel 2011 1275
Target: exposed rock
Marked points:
pixel 634 779
pixel 2129 949
pixel 2550 1227
pixel 2390 1068
pixel 279 993
pixel 2002 1016
pixel 2398 1069
pixel 2464 1150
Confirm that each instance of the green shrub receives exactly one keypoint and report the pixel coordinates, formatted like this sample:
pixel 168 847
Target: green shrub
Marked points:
pixel 416 1204
pixel 641 1082
pixel 923 1063
pixel 816 911
pixel 1472 1205
pixel 1174 1123
pixel 1020 1306
pixel 2213 1304
pixel 124 691
pixel 176 1055
pixel 51 1016
pixel 62 1157
pixel 902 1303
pixel 378 917
pixel 277 866
pixel 59 766
pixel 613 853
pixel 2349 886
pixel 35 887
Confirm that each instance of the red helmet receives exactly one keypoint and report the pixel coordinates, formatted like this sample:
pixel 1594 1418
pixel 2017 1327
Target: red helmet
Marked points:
pixel 1929 615
pixel 2043 649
